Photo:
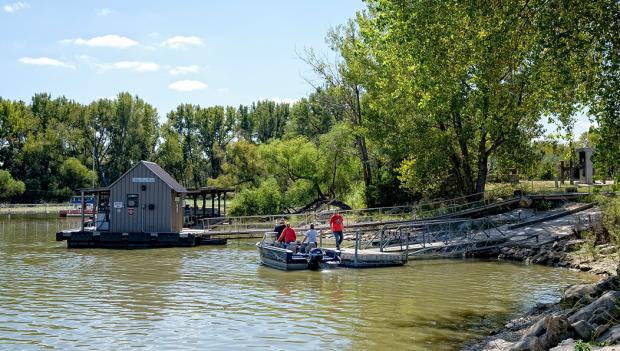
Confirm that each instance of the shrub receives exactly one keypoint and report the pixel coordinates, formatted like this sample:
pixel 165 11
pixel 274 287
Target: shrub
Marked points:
pixel 611 218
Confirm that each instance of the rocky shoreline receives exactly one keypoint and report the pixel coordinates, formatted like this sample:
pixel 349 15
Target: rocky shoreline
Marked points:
pixel 587 316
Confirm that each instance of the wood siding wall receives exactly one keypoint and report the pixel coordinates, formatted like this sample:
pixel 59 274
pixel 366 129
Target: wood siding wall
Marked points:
pixel 163 218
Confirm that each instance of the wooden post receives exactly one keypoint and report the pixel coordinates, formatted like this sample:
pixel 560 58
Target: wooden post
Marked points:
pixel 219 211
pixel 83 204
pixel 224 202
pixel 204 204
pixel 357 243
pixel 195 197
pixel 212 203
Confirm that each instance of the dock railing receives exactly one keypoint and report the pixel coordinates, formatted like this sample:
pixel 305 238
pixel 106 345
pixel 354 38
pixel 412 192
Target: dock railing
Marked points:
pixel 376 215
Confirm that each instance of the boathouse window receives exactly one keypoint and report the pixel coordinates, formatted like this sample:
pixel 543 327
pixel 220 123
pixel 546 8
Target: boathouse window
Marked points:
pixel 132 200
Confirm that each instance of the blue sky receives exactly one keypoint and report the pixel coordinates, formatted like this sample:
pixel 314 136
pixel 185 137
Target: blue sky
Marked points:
pixel 204 52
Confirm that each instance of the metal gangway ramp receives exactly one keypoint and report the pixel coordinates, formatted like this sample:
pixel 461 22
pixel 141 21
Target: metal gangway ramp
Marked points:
pixel 441 238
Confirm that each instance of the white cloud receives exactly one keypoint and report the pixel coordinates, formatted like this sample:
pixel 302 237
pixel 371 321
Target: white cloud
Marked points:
pixel 277 100
pixel 16 6
pixel 184 69
pixel 133 66
pixel 44 61
pixel 187 85
pixel 182 42
pixel 105 11
pixel 108 41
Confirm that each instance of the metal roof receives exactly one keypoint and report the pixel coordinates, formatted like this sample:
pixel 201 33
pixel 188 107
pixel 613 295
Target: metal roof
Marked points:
pixel 159 172
pixel 164 176
pixel 210 189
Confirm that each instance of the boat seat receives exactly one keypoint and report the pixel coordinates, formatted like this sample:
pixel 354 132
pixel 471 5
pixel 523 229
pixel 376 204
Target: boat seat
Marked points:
pixel 292 246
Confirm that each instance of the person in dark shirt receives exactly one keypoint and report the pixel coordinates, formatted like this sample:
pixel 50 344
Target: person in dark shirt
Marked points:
pixel 279 228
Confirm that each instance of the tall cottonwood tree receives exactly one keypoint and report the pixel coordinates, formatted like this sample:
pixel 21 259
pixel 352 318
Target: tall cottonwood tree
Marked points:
pixel 606 106
pixel 343 82
pixel 456 82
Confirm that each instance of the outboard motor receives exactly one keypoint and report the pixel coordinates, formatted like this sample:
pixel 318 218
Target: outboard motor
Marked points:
pixel 315 257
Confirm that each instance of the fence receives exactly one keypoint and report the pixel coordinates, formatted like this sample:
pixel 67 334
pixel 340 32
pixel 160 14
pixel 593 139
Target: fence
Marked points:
pixel 26 209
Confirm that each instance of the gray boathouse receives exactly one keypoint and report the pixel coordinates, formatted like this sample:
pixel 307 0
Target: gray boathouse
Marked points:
pixel 146 199
pixel 143 208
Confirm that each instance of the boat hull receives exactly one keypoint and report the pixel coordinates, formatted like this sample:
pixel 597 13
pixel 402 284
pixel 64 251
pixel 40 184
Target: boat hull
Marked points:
pixel 280 258
pixel 75 213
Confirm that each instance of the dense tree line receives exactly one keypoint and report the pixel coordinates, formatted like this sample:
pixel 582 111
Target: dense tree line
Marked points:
pixel 425 98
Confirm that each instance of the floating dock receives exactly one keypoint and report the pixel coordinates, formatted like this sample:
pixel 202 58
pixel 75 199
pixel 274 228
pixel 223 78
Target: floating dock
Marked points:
pixel 111 240
pixel 370 258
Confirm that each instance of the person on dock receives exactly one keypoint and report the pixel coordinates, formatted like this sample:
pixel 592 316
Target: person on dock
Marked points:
pixel 288 235
pixel 279 228
pixel 311 236
pixel 337 224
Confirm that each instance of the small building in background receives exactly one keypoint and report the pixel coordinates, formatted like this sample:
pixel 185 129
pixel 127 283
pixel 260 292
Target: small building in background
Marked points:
pixel 145 199
pixel 586 166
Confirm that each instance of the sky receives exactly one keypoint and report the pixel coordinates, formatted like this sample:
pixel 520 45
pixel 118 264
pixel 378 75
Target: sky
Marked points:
pixel 168 52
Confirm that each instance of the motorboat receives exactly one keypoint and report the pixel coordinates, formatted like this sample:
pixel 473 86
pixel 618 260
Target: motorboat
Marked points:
pixel 77 209
pixel 295 256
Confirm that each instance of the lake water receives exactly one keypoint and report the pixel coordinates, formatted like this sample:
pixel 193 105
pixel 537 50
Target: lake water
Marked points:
pixel 222 298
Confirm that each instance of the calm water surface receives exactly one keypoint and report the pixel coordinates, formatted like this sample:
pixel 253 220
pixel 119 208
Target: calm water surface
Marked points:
pixel 222 298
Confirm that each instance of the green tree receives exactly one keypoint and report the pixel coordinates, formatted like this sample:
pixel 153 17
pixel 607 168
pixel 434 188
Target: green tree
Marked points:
pixel 133 135
pixel 459 82
pixel 74 175
pixel 184 122
pixel 312 116
pixel 269 120
pixel 243 166
pixel 215 126
pixel 343 82
pixel 606 106
pixel 266 199
pixel 10 187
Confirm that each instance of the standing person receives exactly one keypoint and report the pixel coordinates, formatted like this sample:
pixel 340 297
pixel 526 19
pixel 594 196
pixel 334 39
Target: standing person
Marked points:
pixel 279 228
pixel 310 236
pixel 288 235
pixel 337 224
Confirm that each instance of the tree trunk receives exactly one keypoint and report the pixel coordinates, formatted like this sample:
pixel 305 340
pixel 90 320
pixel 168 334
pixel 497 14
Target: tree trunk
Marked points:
pixel 361 145
pixel 483 167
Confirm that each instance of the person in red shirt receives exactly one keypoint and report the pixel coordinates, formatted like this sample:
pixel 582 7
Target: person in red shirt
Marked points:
pixel 337 224
pixel 288 235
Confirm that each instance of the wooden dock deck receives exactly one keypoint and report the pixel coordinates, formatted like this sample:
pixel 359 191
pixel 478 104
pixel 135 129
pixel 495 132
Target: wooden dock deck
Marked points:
pixel 77 238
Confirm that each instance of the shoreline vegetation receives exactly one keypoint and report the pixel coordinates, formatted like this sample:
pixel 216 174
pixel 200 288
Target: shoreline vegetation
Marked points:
pixel 587 317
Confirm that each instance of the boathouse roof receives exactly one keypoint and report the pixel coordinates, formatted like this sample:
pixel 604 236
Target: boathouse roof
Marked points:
pixel 164 176
pixel 160 173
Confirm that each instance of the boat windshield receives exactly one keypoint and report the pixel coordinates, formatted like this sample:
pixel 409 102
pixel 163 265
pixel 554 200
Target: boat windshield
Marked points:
pixel 76 200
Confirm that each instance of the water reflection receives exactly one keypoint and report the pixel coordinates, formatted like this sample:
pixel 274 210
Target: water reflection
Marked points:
pixel 220 297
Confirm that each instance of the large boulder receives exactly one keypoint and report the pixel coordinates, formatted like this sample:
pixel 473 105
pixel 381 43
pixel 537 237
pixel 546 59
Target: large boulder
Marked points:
pixel 545 333
pixel 557 328
pixel 530 343
pixel 603 310
pixel 583 330
pixel 612 336
pixel 584 293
